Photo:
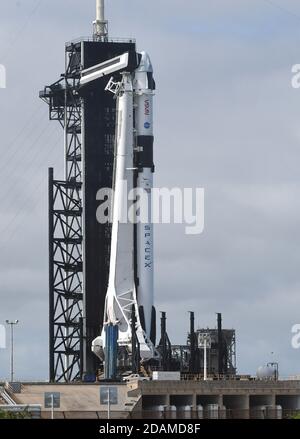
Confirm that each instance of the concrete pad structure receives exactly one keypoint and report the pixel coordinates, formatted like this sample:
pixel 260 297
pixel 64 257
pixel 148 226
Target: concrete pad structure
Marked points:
pixel 171 399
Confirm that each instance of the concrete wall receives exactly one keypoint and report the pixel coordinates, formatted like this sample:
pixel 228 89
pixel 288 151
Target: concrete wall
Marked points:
pixel 241 399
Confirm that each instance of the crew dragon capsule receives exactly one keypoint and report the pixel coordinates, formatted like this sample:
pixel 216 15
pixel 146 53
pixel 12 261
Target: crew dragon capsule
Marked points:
pixel 130 281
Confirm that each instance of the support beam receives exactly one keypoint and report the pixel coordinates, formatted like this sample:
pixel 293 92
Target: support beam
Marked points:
pixel 51 274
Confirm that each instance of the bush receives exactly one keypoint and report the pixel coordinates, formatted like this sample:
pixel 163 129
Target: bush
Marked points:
pixel 6 414
pixel 294 416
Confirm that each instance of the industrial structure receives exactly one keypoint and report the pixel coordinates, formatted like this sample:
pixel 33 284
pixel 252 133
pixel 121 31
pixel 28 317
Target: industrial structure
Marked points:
pixel 79 246
pixel 243 398
pixel 102 318
pixel 101 272
pixel 216 359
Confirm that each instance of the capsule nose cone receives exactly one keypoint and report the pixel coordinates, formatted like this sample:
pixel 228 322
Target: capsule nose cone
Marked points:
pixel 145 63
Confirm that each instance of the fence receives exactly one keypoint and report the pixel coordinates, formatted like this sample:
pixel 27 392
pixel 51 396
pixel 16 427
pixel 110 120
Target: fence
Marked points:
pixel 178 414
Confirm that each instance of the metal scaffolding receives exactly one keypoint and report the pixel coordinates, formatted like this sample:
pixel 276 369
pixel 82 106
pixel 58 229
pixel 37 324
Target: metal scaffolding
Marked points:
pixel 65 229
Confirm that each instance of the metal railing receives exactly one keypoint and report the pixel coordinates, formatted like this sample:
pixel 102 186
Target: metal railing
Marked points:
pixel 6 397
pixel 108 40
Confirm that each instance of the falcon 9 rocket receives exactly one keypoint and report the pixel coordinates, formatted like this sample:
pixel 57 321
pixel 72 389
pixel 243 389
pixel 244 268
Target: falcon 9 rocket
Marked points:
pixel 130 282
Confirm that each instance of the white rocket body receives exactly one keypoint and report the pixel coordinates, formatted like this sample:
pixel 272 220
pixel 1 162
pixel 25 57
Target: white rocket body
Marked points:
pixel 131 258
pixel 143 99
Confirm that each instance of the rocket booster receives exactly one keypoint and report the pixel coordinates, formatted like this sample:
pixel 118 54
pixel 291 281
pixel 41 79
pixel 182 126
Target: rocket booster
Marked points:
pixel 130 283
pixel 131 257
pixel 144 86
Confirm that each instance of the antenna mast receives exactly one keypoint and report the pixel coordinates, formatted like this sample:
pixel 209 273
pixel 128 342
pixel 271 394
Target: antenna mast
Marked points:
pixel 100 24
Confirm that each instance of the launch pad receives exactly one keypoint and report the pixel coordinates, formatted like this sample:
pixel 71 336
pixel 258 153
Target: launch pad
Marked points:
pixel 101 274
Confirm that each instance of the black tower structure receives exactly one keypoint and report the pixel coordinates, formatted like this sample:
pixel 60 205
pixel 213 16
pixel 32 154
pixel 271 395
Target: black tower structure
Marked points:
pixel 164 346
pixel 193 344
pixel 78 244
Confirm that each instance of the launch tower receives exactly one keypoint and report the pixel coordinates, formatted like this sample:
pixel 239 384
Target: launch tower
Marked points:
pixel 79 246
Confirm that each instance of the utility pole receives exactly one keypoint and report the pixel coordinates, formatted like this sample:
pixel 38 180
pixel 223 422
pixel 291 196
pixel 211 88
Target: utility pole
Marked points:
pixel 12 323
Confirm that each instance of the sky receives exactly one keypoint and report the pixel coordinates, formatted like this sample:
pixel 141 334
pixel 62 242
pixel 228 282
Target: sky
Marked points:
pixel 226 119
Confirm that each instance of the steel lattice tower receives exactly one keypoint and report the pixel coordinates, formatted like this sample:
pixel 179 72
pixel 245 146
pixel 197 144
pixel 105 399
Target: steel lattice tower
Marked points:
pixel 79 246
